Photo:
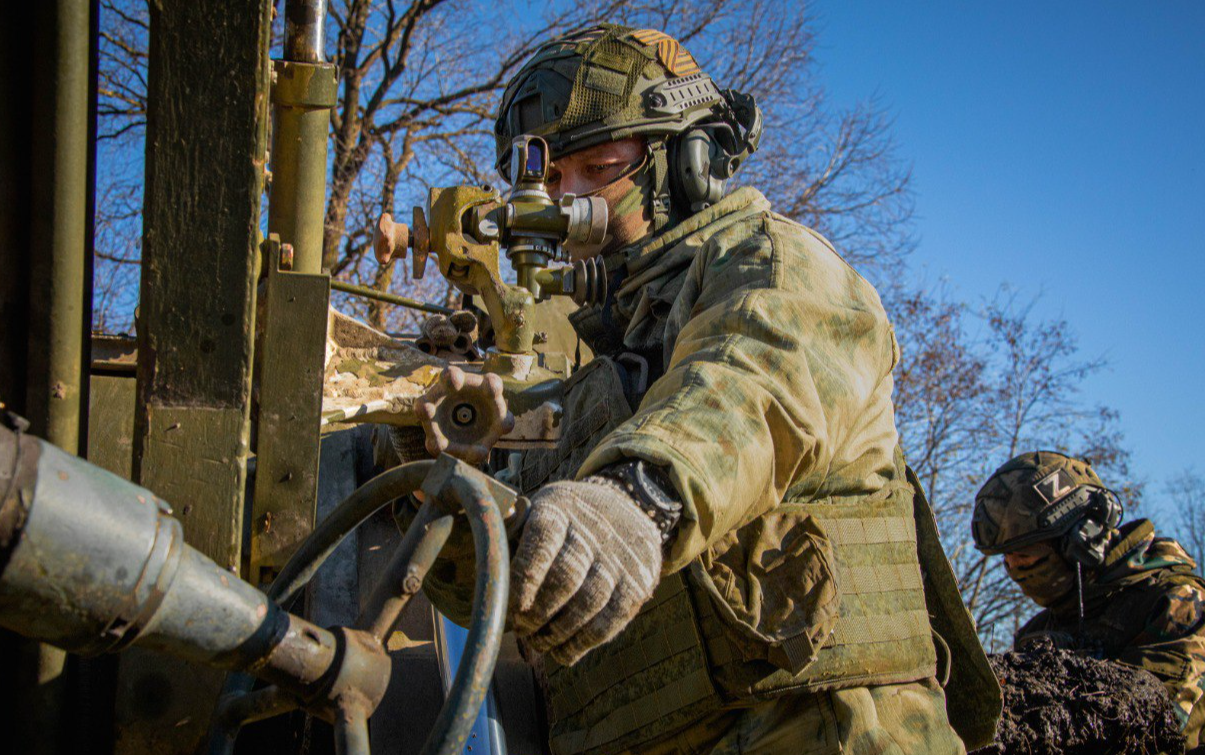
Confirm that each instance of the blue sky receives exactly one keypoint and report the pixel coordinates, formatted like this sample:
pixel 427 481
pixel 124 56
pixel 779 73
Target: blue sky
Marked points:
pixel 1058 147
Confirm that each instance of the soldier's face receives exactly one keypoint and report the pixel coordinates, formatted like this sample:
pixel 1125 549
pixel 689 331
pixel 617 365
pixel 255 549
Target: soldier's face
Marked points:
pixel 618 173
pixel 1028 556
pixel 592 168
pixel 1041 572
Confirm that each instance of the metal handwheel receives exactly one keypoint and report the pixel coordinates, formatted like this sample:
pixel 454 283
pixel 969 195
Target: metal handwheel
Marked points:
pixel 116 572
pixel 355 681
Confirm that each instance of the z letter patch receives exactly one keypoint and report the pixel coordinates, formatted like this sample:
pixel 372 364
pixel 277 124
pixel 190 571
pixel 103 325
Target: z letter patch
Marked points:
pixel 1054 486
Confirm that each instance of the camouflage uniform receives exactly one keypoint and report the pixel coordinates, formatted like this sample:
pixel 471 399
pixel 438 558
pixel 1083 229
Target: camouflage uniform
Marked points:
pixel 772 362
pixel 1142 607
pixel 742 355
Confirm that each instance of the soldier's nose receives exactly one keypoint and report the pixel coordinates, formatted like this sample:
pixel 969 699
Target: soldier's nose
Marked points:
pixel 571 183
pixel 1017 560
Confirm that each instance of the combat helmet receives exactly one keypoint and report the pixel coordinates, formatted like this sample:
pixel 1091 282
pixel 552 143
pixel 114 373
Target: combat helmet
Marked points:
pixel 610 82
pixel 1044 495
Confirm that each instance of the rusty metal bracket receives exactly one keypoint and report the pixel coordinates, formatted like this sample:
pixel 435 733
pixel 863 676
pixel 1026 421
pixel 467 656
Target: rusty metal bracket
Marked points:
pixel 290 409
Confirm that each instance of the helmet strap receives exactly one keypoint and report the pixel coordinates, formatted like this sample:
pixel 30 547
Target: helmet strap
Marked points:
pixel 660 194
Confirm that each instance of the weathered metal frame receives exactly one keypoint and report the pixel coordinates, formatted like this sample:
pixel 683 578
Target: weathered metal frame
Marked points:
pixel 125 576
pixel 293 348
pixel 207 147
pixel 290 413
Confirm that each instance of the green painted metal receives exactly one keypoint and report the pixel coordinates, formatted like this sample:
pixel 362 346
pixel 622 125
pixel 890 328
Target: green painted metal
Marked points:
pixel 111 423
pixel 290 415
pixel 385 296
pixel 44 303
pixel 59 187
pixel 302 97
pixel 289 374
pixel 206 137
pixel 207 99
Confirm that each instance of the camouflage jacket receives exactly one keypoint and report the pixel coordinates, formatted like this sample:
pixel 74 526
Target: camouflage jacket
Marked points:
pixel 769 404
pixel 770 360
pixel 773 362
pixel 1143 607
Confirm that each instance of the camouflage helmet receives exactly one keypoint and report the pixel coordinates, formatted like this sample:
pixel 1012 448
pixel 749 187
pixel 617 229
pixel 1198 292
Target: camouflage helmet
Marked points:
pixel 610 82
pixel 1038 496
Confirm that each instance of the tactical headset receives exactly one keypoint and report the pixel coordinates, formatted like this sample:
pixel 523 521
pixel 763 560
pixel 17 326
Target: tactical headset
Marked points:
pixel 702 159
pixel 1085 516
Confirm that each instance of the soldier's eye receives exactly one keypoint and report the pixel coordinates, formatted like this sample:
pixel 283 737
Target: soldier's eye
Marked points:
pixel 554 176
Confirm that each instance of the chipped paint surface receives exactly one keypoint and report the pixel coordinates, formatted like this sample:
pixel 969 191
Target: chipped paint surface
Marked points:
pixel 371 376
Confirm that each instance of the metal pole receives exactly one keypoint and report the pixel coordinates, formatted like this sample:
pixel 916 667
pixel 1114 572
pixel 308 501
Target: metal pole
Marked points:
pixel 54 400
pixel 305 27
pixel 401 301
pixel 59 186
pixel 303 93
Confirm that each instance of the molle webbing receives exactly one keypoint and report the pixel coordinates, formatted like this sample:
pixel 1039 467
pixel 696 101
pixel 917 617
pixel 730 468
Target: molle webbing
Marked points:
pixel 650 681
pixel 654 678
pixel 678 661
pixel 882 635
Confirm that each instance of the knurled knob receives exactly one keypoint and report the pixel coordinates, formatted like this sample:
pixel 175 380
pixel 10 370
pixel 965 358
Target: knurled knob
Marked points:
pixel 464 414
pixel 590 282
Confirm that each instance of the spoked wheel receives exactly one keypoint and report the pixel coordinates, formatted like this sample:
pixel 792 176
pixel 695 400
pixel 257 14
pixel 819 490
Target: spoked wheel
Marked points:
pixel 354 682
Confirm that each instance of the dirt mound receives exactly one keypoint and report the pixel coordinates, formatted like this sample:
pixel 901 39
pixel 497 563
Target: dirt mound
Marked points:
pixel 1059 703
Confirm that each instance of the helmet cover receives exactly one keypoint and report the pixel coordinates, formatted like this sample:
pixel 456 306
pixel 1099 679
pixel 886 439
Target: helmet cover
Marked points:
pixel 1036 496
pixel 602 84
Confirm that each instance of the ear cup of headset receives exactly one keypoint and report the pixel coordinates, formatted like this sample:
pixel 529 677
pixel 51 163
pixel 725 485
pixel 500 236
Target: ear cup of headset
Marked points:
pixel 703 159
pixel 693 181
pixel 1086 542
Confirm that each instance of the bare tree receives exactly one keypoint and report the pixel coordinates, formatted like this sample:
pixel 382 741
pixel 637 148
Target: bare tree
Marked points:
pixel 419 86
pixel 1186 492
pixel 121 117
pixel 940 389
pixel 967 402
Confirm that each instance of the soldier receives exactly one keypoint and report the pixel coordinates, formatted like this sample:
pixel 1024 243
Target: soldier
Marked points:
pixel 722 552
pixel 1119 592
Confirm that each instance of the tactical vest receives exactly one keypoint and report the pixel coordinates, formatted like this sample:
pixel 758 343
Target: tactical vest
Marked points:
pixel 686 655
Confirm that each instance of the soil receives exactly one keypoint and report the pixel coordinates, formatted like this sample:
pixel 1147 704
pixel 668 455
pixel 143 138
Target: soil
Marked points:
pixel 1057 702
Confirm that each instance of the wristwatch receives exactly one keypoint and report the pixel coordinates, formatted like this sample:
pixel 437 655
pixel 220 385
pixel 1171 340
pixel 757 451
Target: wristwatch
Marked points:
pixel 649 487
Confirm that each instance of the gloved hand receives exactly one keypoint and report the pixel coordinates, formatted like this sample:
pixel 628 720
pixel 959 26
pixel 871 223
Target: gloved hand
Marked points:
pixel 588 558
pixel 1047 638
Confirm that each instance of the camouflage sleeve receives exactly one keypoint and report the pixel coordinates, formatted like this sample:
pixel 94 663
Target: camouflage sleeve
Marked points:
pixel 1172 645
pixel 779 379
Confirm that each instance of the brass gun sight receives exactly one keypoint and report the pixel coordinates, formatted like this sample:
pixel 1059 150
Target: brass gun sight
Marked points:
pixel 467 227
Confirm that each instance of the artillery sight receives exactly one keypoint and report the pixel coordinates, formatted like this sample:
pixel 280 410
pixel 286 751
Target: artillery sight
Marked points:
pixel 465 227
